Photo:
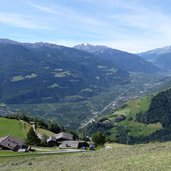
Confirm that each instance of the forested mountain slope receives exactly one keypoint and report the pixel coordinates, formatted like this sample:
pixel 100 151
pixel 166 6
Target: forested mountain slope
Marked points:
pixel 48 73
pixel 121 59
pixel 138 121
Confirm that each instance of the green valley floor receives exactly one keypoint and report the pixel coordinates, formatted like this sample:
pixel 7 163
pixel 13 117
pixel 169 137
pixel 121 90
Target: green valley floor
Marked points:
pixel 147 157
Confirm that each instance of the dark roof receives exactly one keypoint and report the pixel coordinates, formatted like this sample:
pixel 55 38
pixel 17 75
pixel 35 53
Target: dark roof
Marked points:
pixel 61 135
pixel 10 142
pixel 2 139
pixel 71 144
pixel 64 135
pixel 51 139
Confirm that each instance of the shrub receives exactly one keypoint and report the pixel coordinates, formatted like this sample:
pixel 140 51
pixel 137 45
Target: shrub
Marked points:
pixel 99 138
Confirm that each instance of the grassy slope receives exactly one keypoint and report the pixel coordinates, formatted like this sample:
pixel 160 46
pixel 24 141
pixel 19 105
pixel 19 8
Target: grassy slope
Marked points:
pixel 25 127
pixel 135 106
pixel 44 131
pixel 130 110
pixel 11 127
pixel 147 157
pixel 18 128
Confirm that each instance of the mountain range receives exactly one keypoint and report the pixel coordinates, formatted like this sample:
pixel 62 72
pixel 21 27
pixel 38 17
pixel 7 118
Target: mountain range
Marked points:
pixel 43 72
pixel 161 57
pixel 124 60
pixel 48 73
pixel 33 73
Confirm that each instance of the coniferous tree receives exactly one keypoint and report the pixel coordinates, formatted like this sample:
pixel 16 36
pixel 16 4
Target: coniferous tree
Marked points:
pixel 32 138
pixel 54 127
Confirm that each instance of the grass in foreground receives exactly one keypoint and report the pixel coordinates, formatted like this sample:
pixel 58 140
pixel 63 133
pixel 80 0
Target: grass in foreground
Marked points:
pixel 148 157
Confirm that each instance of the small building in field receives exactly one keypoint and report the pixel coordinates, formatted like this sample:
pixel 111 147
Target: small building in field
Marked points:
pixel 74 144
pixel 57 139
pixel 120 118
pixel 10 143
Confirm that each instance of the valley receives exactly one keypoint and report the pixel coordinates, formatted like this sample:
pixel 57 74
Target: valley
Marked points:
pixel 71 114
pixel 73 86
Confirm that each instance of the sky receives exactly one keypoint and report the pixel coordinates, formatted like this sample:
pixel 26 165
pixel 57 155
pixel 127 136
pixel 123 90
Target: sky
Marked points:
pixel 129 25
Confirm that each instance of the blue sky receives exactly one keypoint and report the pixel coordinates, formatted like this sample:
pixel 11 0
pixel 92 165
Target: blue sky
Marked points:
pixel 130 25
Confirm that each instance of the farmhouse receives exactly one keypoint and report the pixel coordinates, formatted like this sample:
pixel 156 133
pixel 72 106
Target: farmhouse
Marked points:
pixel 59 138
pixel 10 143
pixel 74 144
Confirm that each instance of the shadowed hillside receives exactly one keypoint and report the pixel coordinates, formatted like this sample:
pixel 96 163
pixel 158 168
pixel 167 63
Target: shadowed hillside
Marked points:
pixel 48 73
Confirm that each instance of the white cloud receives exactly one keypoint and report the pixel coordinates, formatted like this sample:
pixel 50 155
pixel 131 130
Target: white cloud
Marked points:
pixel 134 26
pixel 43 8
pixel 155 22
pixel 72 19
pixel 19 20
pixel 133 45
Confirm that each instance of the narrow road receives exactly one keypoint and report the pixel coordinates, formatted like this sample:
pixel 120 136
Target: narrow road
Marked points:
pixel 44 153
pixel 34 128
pixel 116 100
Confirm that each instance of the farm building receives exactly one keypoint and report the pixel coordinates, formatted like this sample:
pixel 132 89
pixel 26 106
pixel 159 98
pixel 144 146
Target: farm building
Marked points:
pixel 10 143
pixel 59 138
pixel 74 144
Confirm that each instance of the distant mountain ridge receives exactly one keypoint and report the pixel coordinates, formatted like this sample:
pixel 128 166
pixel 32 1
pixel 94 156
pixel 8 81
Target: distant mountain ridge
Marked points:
pixel 120 59
pixel 161 57
pixel 30 45
pixel 8 41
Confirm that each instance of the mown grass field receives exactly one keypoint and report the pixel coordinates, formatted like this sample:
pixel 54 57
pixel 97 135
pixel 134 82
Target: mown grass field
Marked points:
pixel 11 127
pixel 133 107
pixel 147 157
pixel 18 128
